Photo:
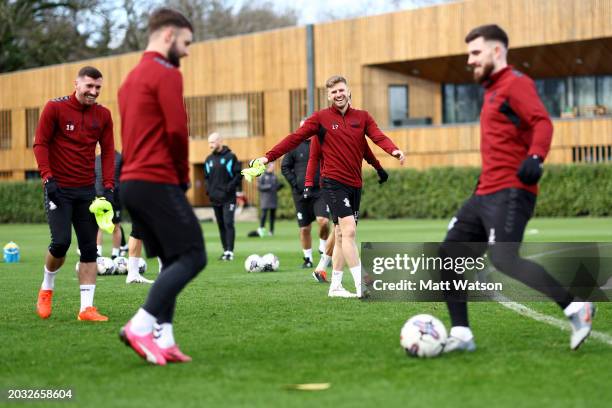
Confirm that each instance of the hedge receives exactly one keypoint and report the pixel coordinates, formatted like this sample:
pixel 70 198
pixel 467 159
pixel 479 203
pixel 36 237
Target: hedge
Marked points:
pixel 566 191
pixel 22 202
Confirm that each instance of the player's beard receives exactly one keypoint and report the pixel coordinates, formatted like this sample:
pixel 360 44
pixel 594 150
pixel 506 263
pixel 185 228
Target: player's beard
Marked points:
pixel 173 55
pixel 487 68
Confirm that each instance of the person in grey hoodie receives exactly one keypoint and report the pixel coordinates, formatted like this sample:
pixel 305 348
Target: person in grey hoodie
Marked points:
pixel 268 198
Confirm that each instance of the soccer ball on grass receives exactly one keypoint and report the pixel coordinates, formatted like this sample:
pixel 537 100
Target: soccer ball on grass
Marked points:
pixel 423 336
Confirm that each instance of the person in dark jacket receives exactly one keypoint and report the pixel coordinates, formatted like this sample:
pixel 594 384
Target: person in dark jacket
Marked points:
pixel 268 198
pixel 118 238
pixel 222 173
pixel 293 168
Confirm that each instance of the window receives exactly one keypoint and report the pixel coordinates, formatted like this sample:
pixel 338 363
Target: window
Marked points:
pixel 553 93
pixel 398 105
pixel 228 116
pixel 298 105
pixel 584 91
pixel 231 115
pixel 462 102
pixel 32 115
pixel 196 112
pixel 6 175
pixel 604 92
pixel 5 129
pixel 32 175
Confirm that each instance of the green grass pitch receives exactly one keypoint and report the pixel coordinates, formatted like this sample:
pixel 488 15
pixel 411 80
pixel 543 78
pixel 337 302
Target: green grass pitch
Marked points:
pixel 252 334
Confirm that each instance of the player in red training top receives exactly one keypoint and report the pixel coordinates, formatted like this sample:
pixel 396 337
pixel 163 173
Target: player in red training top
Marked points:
pixel 515 137
pixel 311 180
pixel 65 148
pixel 154 178
pixel 341 131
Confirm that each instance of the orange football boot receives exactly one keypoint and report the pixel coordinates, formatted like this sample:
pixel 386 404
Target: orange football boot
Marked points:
pixel 91 314
pixel 43 305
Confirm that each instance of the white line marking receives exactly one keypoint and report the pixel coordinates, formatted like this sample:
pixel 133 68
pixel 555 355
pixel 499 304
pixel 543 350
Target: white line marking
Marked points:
pixel 541 317
pixel 553 321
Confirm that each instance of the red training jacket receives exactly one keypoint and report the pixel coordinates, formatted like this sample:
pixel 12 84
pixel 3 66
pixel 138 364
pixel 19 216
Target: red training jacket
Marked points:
pixel 65 142
pixel 342 139
pixel 514 124
pixel 154 123
pixel 315 157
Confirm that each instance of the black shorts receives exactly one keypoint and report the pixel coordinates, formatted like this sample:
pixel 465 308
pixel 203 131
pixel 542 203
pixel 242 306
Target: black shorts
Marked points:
pixel 162 217
pixel 307 211
pixel 72 209
pixel 497 217
pixel 116 207
pixel 343 200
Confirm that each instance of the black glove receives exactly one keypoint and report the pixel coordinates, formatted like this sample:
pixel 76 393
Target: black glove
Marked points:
pixel 52 189
pixel 382 175
pixel 530 170
pixel 186 186
pixel 109 194
pixel 306 194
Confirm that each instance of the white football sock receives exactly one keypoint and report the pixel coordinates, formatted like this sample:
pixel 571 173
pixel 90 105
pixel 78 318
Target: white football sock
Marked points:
pixel 308 253
pixel 133 266
pixel 115 252
pixel 572 308
pixel 48 282
pixel 322 243
pixel 462 333
pixel 323 262
pixel 166 335
pixel 99 250
pixel 356 272
pixel 336 280
pixel 142 323
pixel 87 296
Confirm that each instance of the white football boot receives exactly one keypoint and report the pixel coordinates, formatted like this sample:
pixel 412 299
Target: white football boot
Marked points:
pixel 339 291
pixel 582 323
pixel 456 344
pixel 137 279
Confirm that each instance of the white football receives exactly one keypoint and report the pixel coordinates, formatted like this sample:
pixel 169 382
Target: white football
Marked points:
pixel 142 266
pixel 270 262
pixel 105 265
pixel 253 263
pixel 121 265
pixel 423 336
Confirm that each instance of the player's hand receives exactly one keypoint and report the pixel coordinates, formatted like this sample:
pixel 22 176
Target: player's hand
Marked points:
pixel 52 188
pixel 109 195
pixel 262 160
pixel 399 155
pixel 531 170
pixel 307 193
pixel 382 175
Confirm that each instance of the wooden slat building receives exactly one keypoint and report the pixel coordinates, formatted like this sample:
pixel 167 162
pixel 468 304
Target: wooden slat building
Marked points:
pixel 252 88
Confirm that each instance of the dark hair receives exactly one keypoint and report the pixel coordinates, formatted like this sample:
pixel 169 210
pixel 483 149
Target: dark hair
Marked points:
pixel 165 16
pixel 488 32
pixel 90 72
pixel 335 80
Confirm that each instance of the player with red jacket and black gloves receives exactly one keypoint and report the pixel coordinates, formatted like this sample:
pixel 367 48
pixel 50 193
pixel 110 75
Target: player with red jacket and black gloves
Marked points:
pixel 515 137
pixel 154 178
pixel 314 162
pixel 68 131
pixel 341 130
